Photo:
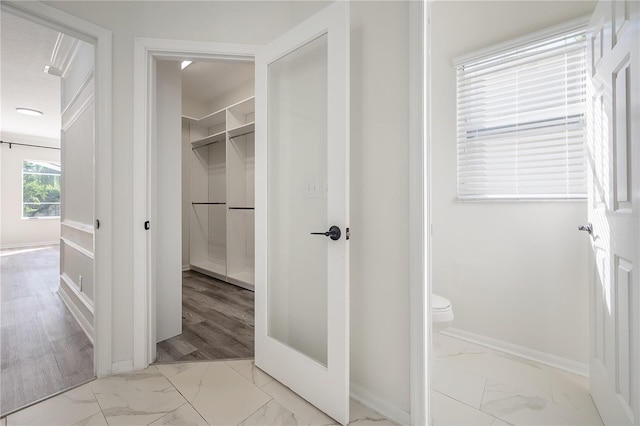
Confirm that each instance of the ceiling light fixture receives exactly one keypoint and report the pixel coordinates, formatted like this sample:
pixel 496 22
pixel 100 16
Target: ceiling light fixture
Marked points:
pixel 29 111
pixel 185 64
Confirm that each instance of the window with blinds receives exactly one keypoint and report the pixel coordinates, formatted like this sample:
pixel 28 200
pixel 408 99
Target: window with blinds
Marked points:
pixel 521 126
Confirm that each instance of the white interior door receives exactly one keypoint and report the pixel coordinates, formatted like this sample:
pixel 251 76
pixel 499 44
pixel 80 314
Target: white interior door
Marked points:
pixel 302 172
pixel 165 212
pixel 613 93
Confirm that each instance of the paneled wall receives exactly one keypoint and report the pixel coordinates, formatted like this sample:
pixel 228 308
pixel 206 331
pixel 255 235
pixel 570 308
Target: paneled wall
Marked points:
pixel 77 215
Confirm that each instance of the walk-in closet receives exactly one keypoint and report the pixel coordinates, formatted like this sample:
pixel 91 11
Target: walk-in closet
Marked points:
pixel 217 148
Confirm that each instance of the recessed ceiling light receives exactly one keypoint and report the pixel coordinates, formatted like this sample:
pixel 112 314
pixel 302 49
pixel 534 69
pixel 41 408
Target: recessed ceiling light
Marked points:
pixel 29 111
pixel 186 64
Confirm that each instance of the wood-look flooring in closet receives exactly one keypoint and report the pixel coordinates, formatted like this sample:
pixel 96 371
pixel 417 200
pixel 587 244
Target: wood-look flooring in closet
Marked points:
pixel 217 322
pixel 44 350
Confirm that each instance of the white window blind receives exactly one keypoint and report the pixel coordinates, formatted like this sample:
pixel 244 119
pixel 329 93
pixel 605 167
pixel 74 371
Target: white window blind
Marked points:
pixel 521 126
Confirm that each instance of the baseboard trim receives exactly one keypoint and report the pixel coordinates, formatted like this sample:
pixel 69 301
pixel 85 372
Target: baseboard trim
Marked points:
pixel 121 366
pixel 82 321
pixel 186 268
pixel 29 245
pixel 368 399
pixel 521 351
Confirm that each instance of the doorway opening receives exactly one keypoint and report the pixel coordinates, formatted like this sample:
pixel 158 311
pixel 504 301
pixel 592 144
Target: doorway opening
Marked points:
pixel 208 312
pixel 47 191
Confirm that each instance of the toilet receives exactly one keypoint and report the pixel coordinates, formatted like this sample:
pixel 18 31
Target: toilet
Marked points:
pixel 441 313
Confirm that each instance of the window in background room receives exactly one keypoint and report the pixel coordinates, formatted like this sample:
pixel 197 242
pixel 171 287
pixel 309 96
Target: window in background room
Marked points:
pixel 40 189
pixel 520 121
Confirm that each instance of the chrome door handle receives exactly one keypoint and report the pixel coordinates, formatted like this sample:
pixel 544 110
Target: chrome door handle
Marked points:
pixel 588 227
pixel 333 233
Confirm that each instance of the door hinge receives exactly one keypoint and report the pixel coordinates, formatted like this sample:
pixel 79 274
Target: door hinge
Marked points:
pixel 347 233
pixel 97 223
pixel 146 225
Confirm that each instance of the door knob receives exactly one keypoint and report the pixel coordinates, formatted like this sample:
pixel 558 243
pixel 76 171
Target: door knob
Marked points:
pixel 588 228
pixel 333 233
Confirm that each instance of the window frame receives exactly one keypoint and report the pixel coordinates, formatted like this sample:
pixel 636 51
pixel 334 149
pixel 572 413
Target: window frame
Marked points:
pixel 23 203
pixel 493 52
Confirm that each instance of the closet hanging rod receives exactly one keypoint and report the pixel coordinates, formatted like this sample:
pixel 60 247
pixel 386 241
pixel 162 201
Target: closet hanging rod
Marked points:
pixel 193 202
pixel 241 134
pixel 28 144
pixel 241 208
pixel 202 146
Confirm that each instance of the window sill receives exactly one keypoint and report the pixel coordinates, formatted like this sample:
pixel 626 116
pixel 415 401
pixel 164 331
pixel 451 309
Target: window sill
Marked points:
pixel 42 218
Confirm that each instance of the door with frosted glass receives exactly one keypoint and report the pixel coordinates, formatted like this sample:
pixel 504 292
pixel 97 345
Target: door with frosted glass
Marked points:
pixel 302 234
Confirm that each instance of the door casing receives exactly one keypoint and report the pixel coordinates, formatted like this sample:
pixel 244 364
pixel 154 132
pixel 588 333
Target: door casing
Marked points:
pixel 146 51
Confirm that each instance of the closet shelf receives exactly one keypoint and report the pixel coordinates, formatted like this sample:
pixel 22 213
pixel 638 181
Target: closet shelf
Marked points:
pixel 210 120
pixel 245 129
pixel 217 137
pixel 208 203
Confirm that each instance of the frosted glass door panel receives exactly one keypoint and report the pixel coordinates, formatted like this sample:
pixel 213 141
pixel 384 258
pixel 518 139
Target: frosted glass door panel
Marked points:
pixel 297 205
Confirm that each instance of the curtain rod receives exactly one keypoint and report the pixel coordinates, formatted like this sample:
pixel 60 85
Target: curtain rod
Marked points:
pixel 26 144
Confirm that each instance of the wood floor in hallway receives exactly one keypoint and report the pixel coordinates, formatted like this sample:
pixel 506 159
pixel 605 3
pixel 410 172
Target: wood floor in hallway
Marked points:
pixel 217 322
pixel 44 350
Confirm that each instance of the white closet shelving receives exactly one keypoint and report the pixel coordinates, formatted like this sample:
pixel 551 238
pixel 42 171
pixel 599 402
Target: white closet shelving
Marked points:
pixel 222 193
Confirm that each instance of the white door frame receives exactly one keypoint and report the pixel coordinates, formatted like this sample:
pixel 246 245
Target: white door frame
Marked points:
pixel 146 50
pixel 58 20
pixel 419 211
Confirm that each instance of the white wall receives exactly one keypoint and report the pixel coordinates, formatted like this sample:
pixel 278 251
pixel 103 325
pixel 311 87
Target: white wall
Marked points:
pixel 379 69
pixel 514 271
pixel 15 231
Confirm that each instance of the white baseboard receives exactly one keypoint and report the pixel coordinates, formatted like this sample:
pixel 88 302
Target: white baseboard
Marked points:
pixel 121 366
pixel 29 245
pixel 86 326
pixel 368 399
pixel 186 268
pixel 521 351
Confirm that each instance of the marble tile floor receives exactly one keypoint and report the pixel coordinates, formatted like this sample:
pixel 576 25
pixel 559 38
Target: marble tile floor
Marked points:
pixel 204 393
pixel 471 385
pixel 475 385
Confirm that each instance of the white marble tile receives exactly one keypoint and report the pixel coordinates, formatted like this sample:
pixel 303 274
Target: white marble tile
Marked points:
pixel 271 414
pixel 448 411
pixel 73 407
pixel 170 370
pixel 365 416
pixel 185 415
pixel 303 411
pixel 248 369
pixel 95 420
pixel 571 390
pixel 503 368
pixel 219 393
pixel 462 385
pixel 136 398
pixel 443 345
pixel 519 407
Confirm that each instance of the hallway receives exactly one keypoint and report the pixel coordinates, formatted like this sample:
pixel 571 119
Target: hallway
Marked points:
pixel 44 350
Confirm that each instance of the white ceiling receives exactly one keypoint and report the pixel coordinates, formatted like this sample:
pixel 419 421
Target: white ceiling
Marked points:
pixel 25 49
pixel 205 81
